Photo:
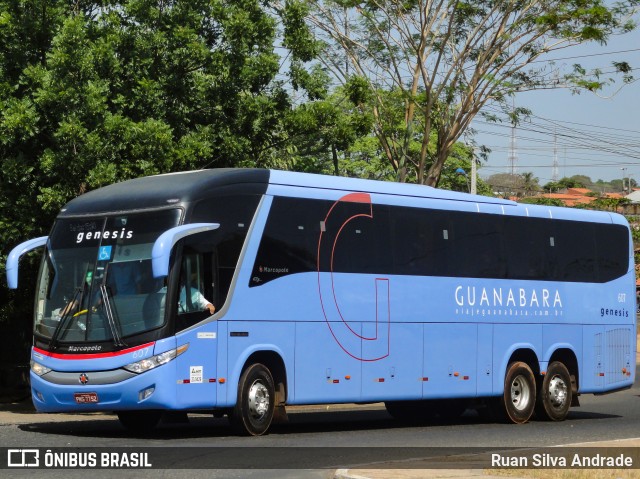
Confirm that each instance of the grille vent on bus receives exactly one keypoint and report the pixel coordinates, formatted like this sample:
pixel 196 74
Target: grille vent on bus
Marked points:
pixel 618 354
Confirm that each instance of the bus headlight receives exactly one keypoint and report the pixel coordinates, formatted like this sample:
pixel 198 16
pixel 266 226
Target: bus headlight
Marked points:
pixel 154 361
pixel 38 369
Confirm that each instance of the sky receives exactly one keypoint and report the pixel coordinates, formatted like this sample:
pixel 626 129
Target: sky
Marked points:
pixel 589 135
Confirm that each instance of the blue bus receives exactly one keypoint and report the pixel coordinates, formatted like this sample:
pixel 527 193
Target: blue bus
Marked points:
pixel 326 290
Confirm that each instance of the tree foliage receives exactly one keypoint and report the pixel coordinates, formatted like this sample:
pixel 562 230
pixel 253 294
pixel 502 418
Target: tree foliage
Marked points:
pixel 522 185
pixel 337 136
pixel 97 92
pixel 447 60
pixel 564 183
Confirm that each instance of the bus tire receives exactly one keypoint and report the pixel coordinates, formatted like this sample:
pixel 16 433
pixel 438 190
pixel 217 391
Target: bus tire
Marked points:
pixel 555 395
pixel 140 421
pixel 253 412
pixel 519 398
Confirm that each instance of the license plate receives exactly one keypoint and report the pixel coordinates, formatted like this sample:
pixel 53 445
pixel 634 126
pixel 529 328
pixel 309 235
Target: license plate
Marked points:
pixel 86 398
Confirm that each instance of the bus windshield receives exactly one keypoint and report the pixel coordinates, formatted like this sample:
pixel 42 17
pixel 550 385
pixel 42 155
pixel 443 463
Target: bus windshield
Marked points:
pixel 96 282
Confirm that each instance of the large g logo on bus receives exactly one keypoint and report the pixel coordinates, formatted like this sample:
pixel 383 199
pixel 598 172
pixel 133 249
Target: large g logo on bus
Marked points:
pixel 364 335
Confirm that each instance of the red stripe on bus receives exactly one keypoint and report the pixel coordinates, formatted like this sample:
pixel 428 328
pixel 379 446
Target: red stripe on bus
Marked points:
pixel 110 354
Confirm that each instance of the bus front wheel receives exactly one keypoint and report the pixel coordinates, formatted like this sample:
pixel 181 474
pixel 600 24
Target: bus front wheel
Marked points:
pixel 554 398
pixel 519 398
pixel 254 409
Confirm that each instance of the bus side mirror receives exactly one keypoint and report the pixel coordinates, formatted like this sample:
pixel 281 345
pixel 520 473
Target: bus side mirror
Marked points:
pixel 14 258
pixel 161 251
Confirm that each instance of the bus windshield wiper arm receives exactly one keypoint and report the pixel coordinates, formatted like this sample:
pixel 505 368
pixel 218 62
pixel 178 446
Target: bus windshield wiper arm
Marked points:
pixel 68 313
pixel 114 325
pixel 74 304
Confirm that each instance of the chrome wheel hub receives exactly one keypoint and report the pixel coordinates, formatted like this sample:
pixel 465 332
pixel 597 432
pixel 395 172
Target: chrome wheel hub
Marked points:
pixel 520 393
pixel 557 392
pixel 258 400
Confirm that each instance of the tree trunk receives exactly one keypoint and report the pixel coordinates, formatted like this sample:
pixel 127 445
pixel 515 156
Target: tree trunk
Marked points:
pixel 433 175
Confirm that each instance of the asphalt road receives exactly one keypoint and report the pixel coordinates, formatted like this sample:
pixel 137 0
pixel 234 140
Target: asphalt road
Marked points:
pixel 331 429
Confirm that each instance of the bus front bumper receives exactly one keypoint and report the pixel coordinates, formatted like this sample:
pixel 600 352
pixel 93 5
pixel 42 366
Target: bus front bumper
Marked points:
pixel 149 390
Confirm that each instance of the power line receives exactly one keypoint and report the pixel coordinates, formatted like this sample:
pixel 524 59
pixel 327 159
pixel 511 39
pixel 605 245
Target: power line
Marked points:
pixel 585 145
pixel 587 56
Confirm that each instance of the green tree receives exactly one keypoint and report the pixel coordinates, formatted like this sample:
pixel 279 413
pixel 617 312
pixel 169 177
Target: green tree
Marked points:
pixel 542 201
pixel 323 133
pixel 97 92
pixel 507 184
pixel 606 204
pixel 337 136
pixel 448 60
pixel 583 180
pixel 530 184
pixel 563 184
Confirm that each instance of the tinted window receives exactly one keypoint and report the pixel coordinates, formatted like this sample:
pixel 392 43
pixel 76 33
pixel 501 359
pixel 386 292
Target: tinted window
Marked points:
pixel 476 246
pixel 528 248
pixel 234 213
pixel 613 251
pixel 290 241
pixel 355 238
pixel 360 237
pixel 575 243
pixel 420 241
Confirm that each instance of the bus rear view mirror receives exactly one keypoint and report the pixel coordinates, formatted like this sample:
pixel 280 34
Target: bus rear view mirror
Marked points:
pixel 161 251
pixel 14 258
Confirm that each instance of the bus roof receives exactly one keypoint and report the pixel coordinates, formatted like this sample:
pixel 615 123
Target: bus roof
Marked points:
pixel 185 187
pixel 341 183
pixel 171 189
pixel 175 189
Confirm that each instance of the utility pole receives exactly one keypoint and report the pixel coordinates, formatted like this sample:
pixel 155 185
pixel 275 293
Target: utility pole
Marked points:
pixel 513 154
pixel 554 176
pixel 473 172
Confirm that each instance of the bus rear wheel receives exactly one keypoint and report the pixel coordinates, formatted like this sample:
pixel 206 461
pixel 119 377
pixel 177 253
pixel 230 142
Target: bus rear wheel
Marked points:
pixel 140 421
pixel 554 398
pixel 254 409
pixel 519 398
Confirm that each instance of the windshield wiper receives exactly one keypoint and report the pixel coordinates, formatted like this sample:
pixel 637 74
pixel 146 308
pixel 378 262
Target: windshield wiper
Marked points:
pixel 74 304
pixel 112 319
pixel 114 324
pixel 68 313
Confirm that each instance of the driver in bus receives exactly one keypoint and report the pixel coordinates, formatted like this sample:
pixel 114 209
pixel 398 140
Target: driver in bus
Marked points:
pixel 196 302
